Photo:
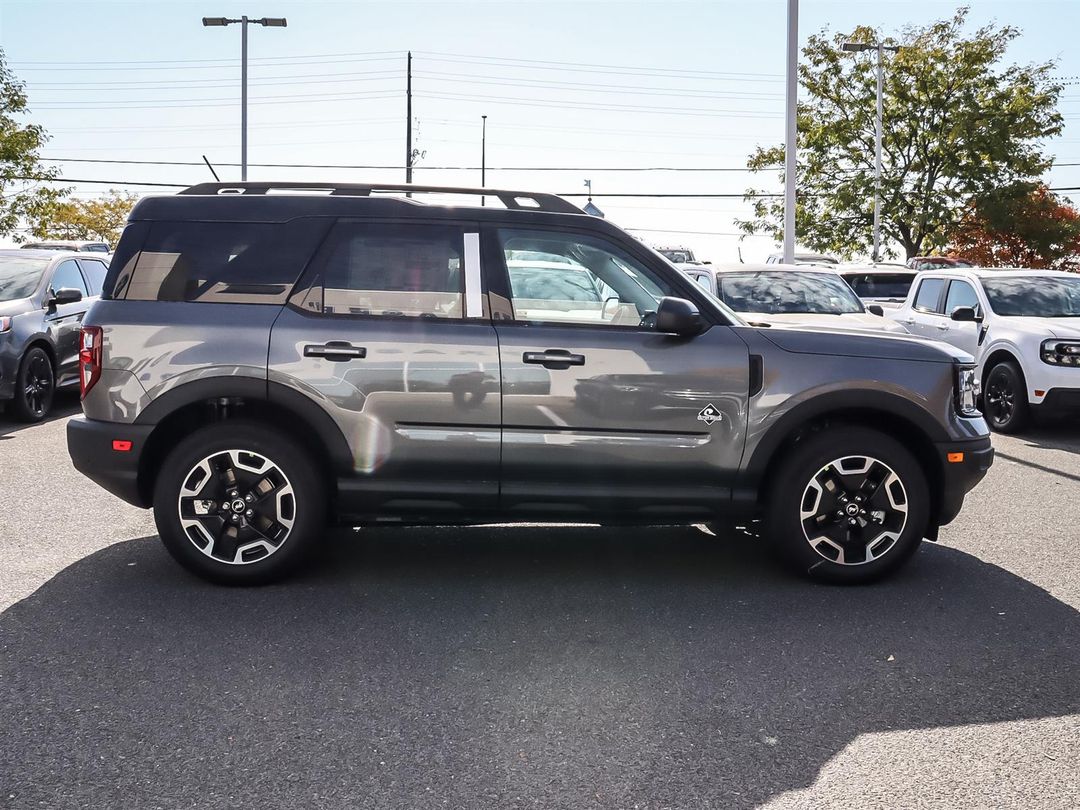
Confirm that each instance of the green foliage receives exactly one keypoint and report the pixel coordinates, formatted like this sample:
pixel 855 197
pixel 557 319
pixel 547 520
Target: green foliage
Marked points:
pixel 102 218
pixel 957 124
pixel 21 174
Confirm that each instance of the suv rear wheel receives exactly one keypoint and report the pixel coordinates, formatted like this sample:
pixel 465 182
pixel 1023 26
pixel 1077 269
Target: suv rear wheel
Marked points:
pixel 848 505
pixel 238 503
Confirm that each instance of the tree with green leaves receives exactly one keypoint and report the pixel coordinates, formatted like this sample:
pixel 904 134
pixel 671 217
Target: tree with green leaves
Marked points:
pixel 68 218
pixel 22 194
pixel 958 123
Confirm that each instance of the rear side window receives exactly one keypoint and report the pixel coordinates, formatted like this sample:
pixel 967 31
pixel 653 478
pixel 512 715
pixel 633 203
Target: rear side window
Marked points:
pixel 217 262
pixel 391 270
pixel 95 274
pixel 929 294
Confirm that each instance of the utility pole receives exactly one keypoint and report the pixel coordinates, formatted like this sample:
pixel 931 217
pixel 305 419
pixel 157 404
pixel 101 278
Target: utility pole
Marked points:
pixel 408 120
pixel 483 156
pixel 791 128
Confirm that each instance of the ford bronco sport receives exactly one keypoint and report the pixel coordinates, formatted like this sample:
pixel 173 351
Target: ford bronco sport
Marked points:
pixel 261 363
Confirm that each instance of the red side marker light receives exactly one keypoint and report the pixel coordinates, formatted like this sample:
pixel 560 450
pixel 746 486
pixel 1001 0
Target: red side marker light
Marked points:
pixel 121 445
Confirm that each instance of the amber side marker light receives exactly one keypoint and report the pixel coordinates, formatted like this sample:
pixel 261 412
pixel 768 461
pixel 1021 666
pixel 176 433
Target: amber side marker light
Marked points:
pixel 955 458
pixel 121 445
pixel 1039 393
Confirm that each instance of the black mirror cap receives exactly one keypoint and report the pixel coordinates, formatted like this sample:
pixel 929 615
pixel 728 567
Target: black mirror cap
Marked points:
pixel 66 295
pixel 876 309
pixel 679 317
pixel 966 315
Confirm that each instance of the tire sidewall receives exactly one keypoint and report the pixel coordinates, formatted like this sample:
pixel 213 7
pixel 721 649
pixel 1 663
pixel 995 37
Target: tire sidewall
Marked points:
pixel 21 410
pixel 1019 418
pixel 309 494
pixel 784 527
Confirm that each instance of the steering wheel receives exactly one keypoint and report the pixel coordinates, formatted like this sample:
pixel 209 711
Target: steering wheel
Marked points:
pixel 648 320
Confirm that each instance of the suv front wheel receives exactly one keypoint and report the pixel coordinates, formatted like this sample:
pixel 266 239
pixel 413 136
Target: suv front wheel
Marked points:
pixel 848 505
pixel 239 504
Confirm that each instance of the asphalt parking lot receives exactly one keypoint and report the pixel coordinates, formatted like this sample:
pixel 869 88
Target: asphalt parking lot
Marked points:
pixel 567 667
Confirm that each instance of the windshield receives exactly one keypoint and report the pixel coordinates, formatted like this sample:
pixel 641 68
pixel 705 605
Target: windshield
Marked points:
pixel 880 285
pixel 1034 296
pixel 784 291
pixel 19 276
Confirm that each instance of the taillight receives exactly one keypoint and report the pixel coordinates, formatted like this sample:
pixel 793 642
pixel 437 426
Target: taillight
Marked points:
pixel 89 358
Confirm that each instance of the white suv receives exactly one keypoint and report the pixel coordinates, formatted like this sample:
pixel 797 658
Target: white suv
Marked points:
pixel 1022 326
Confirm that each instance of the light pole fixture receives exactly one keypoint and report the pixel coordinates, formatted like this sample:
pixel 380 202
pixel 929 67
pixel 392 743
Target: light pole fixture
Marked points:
pixel 266 22
pixel 858 47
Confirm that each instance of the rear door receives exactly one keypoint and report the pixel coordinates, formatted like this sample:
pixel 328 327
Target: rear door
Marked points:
pixel 603 415
pixel 924 318
pixel 388 334
pixel 65 320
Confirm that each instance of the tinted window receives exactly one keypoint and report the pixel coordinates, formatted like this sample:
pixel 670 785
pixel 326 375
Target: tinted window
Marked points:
pixel 961 294
pixel 217 262
pixel 96 248
pixel 929 293
pixel 784 291
pixel 880 285
pixel 95 274
pixel 67 275
pixel 590 281
pixel 398 270
pixel 1041 296
pixel 19 276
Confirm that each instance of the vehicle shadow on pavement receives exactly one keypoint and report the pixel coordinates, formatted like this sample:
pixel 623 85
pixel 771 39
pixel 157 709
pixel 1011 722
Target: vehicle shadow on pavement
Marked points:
pixel 66 404
pixel 503 667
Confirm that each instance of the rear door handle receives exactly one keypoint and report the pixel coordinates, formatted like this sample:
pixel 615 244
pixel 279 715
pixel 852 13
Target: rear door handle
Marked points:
pixel 554 359
pixel 335 350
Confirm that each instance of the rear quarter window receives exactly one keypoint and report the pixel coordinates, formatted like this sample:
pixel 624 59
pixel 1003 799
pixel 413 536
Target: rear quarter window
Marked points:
pixel 213 262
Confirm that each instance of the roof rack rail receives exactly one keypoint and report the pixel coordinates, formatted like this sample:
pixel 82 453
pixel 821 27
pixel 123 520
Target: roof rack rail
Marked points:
pixel 514 200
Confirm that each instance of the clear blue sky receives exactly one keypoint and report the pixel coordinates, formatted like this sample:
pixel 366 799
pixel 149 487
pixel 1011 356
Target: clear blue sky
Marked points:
pixel 584 85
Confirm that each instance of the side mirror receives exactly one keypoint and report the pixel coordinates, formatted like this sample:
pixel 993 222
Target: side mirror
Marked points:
pixel 876 309
pixel 966 315
pixel 66 295
pixel 679 317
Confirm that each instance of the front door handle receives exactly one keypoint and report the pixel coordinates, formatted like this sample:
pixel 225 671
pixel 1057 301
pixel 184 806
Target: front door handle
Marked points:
pixel 335 350
pixel 943 327
pixel 556 359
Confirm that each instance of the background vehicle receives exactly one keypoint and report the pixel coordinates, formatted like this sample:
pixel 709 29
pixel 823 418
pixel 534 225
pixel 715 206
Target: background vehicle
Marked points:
pixel 790 294
pixel 803 258
pixel 935 263
pixel 1023 328
pixel 885 285
pixel 72 245
pixel 679 255
pixel 260 363
pixel 43 297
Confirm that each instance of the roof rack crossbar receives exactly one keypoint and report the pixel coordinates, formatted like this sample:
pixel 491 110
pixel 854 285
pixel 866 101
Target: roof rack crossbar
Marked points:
pixel 514 200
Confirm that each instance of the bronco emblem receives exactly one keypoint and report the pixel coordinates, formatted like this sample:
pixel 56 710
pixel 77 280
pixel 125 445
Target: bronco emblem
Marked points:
pixel 709 414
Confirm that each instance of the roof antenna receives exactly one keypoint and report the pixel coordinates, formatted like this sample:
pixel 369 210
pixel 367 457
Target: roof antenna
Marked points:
pixel 739 249
pixel 211 168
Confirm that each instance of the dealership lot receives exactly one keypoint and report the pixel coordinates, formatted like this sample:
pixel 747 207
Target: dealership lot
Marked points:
pixel 528 667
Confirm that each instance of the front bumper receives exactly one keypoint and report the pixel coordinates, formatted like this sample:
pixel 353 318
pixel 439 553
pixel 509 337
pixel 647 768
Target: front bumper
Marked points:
pixel 960 477
pixel 90 445
pixel 1059 402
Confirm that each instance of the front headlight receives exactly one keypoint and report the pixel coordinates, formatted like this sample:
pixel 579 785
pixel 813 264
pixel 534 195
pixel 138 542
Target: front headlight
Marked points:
pixel 1058 352
pixel 967 391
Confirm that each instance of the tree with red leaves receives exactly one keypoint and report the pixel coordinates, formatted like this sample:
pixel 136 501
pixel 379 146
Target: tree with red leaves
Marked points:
pixel 1023 225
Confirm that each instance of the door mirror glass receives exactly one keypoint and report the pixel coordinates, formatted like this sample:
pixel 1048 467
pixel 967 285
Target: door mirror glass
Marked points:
pixel 876 309
pixel 66 295
pixel 966 315
pixel 678 316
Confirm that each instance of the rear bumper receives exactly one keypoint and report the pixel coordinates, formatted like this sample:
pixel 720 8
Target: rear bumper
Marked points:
pixel 960 477
pixel 90 445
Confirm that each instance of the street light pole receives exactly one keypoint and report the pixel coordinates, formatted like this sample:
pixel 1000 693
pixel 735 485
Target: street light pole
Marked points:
pixel 791 129
pixel 483 156
pixel 266 22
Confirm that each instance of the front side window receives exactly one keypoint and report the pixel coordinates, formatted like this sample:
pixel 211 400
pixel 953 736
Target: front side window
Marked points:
pixel 929 294
pixel 67 276
pixel 218 262
pixel 1035 296
pixel 390 270
pixel 776 292
pixel 961 294
pixel 583 280
pixel 19 276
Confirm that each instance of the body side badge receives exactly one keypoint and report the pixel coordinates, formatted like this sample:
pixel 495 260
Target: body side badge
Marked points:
pixel 709 414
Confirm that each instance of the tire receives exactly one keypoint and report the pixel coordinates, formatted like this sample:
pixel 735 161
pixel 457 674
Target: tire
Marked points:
pixel 212 533
pixel 1005 401
pixel 35 386
pixel 867 475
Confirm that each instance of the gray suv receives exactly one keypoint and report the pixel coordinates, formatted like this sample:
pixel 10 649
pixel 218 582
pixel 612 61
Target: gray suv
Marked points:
pixel 263 363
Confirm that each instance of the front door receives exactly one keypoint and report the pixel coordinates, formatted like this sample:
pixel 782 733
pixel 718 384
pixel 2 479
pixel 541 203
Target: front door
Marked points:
pixel 962 334
pixel 388 335
pixel 65 321
pixel 602 414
